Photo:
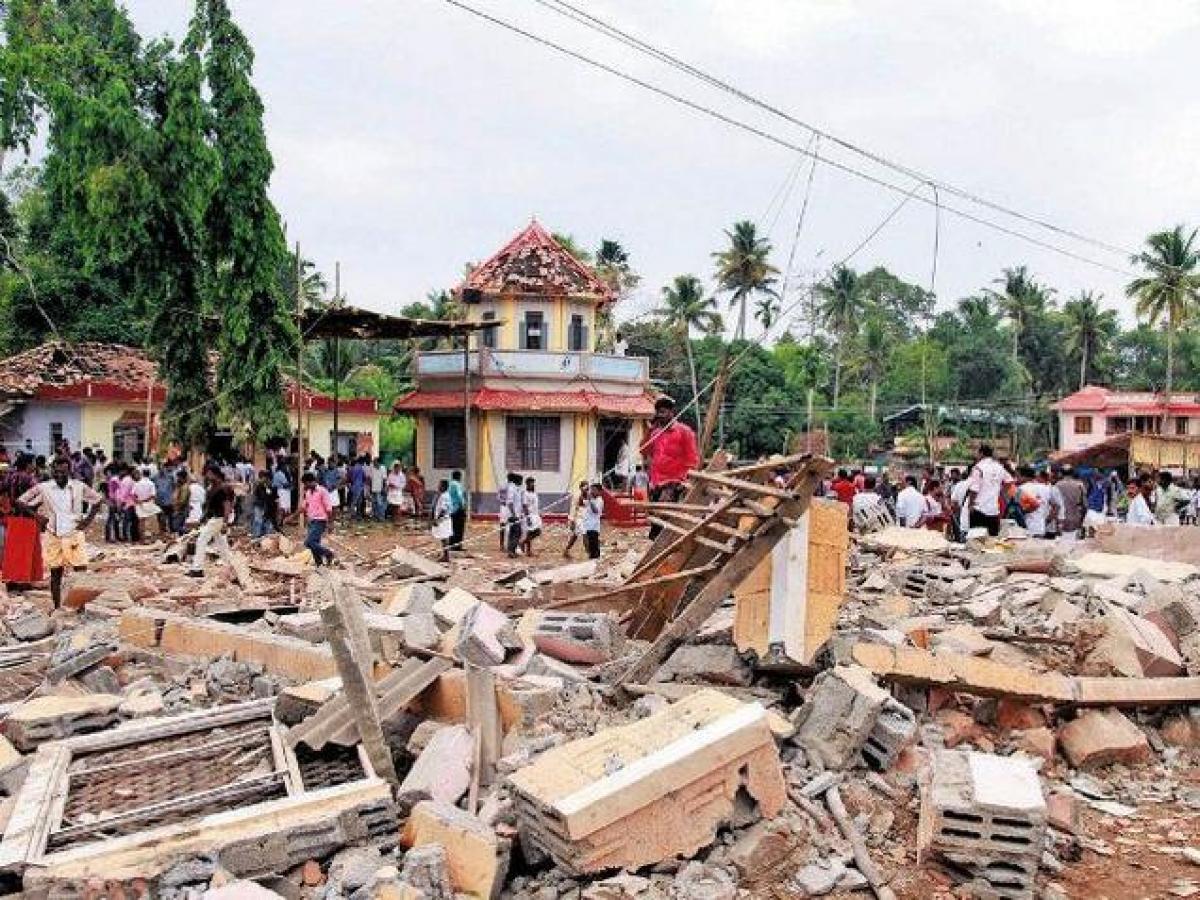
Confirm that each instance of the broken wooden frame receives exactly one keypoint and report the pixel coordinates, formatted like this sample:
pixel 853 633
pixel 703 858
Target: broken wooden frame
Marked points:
pixel 180 777
pixel 750 516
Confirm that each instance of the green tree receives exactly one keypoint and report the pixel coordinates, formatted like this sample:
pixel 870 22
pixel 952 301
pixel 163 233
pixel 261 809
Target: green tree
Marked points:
pixel 1170 290
pixel 1089 329
pixel 685 307
pixel 79 67
pixel 1020 301
pixel 187 168
pixel 841 304
pixel 743 269
pixel 876 347
pixel 568 243
pixel 766 310
pixel 258 331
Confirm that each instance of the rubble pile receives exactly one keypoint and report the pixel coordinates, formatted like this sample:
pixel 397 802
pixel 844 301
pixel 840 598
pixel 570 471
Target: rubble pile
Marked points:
pixel 755 704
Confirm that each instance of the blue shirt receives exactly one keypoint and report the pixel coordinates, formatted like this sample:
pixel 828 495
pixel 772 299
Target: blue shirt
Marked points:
pixel 358 476
pixel 458 497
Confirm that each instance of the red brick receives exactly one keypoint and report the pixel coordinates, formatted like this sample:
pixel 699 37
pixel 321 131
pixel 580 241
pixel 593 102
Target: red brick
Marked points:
pixel 1037 742
pixel 1017 716
pixel 1062 811
pixel 1103 737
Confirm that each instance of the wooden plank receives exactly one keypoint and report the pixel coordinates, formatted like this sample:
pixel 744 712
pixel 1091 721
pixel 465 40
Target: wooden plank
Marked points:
pixel 736 485
pixel 31 820
pixel 346 631
pixel 285 761
pixel 796 460
pixel 185 723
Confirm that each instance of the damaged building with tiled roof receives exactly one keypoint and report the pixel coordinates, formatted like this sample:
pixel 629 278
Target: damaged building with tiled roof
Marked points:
pixel 539 399
pixel 109 397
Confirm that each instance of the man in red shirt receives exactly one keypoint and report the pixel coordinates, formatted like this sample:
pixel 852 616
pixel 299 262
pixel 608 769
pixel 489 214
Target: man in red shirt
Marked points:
pixel 843 487
pixel 669 453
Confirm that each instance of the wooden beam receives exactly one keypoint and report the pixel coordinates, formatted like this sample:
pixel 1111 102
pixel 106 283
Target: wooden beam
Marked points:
pixel 483 718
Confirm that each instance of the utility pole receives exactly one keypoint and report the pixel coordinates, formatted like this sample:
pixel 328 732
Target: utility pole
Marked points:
pixel 337 359
pixel 299 372
pixel 468 461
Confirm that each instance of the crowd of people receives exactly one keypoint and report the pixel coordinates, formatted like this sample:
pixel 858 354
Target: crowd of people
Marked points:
pixel 1047 501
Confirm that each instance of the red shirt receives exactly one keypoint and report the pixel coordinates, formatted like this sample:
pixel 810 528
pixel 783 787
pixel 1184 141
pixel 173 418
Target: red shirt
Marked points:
pixel 845 489
pixel 670 453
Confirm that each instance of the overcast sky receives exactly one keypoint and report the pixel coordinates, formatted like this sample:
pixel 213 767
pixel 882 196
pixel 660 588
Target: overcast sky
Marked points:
pixel 410 137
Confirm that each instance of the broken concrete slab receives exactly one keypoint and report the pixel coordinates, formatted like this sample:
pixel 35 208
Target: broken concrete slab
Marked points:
pixel 1131 646
pixel 484 636
pixel 54 718
pixel 206 639
pixel 476 857
pixel 838 715
pixel 453 605
pixel 1103 737
pixel 715 663
pixel 1111 565
pixel 634 794
pixel 442 771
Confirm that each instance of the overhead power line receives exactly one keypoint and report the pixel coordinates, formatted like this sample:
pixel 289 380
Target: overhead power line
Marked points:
pixel 595 23
pixel 779 141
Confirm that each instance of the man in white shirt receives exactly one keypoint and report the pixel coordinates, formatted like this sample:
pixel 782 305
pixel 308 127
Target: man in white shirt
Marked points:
pixel 1037 502
pixel 589 523
pixel 61 500
pixel 1139 510
pixel 910 505
pixel 985 492
pixel 958 505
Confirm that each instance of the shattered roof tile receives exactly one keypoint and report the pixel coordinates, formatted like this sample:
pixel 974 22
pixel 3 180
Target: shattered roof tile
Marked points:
pixel 533 262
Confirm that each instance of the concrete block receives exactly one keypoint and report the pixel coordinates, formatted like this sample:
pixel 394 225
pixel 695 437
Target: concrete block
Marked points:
pixel 894 730
pixel 715 663
pixel 453 605
pixel 584 638
pixel 442 771
pixel 421 631
pixel 427 870
pixel 1102 737
pixel 409 599
pixel 839 714
pixel 54 718
pixel 484 636
pixel 983 806
pixel 476 857
pixel 985 611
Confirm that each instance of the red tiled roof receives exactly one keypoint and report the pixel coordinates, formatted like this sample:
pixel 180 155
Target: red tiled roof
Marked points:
pixel 533 262
pixel 90 370
pixel 636 405
pixel 1127 403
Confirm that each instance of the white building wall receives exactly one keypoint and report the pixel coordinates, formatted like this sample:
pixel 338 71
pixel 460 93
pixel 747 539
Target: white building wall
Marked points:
pixel 28 427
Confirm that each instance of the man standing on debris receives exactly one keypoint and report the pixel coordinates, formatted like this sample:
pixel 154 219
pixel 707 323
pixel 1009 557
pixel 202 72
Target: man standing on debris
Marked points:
pixel 218 510
pixel 593 511
pixel 378 480
pixel 317 505
pixel 458 509
pixel 62 500
pixel 1037 502
pixel 670 453
pixel 1074 500
pixel 1139 507
pixel 985 491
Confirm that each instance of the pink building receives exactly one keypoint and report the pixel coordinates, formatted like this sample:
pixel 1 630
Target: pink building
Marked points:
pixel 1095 414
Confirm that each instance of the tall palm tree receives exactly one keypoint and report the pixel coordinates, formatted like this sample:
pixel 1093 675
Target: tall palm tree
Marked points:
pixel 686 307
pixel 876 345
pixel 1088 328
pixel 743 269
pixel 977 313
pixel 568 243
pixel 1170 289
pixel 1021 298
pixel 841 304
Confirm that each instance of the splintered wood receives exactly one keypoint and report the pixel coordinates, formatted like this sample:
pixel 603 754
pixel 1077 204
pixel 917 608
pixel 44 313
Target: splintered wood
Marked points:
pixel 728 523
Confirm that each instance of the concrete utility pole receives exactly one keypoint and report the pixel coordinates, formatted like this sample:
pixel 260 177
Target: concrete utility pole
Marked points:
pixel 299 371
pixel 468 462
pixel 337 359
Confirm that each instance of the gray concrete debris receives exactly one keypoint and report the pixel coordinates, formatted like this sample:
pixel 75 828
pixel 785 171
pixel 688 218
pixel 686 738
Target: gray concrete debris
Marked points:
pixel 838 714
pixel 425 868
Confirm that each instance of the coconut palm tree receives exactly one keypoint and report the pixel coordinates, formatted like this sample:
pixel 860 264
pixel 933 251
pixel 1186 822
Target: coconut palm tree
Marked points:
pixel 1170 290
pixel 743 270
pixel 686 307
pixel 1020 300
pixel 841 305
pixel 1088 328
